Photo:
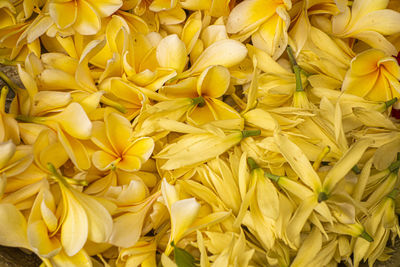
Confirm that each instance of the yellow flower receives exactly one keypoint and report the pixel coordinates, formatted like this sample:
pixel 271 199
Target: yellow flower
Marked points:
pixel 368 21
pixel 374 76
pixel 212 84
pixel 267 22
pixel 83 15
pixel 119 149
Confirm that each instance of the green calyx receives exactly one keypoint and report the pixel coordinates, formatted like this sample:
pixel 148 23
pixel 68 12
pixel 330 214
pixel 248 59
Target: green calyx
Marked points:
pixel 252 164
pixel 322 196
pixel 199 101
pixel 272 177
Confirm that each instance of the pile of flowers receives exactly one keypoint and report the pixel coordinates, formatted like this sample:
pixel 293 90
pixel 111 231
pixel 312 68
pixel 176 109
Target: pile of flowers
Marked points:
pixel 201 132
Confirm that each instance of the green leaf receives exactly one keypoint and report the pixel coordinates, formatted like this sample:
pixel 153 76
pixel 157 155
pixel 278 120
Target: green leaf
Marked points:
pixel 183 258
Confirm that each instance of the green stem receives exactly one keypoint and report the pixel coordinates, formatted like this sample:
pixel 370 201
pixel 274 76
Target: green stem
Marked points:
pixel 252 164
pixel 64 180
pixel 199 101
pixel 113 104
pixel 366 236
pixel 296 69
pixel 247 133
pixel 390 102
pixel 272 177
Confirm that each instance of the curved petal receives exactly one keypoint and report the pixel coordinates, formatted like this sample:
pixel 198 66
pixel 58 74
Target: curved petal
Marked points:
pixel 366 62
pixel 103 160
pixel 74 230
pixel 247 15
pixel 385 22
pixel 213 82
pixel 88 20
pixel 40 241
pixel 129 163
pixel 227 53
pixel 63 14
pixel 75 150
pixel 99 137
pixel 359 85
pixel 106 7
pixel 118 130
pixel 171 53
pixel 222 111
pixel 141 148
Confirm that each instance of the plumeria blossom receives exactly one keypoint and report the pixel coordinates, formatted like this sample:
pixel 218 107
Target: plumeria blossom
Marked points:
pixel 212 84
pixel 83 16
pixel 118 147
pixel 368 21
pixel 267 27
pixel 373 75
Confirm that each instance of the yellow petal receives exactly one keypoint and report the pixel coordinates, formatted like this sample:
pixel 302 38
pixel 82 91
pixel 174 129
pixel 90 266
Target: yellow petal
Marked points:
pixel 222 111
pixel 74 230
pixel 74 121
pixel 213 81
pixel 129 163
pixel 99 219
pixel 171 53
pixel 103 161
pixel 360 85
pixel 382 21
pixel 366 62
pixel 75 150
pixel 191 30
pixel 63 14
pixel 344 165
pixel 118 130
pixel 54 79
pixel 81 259
pixel 183 213
pixel 225 52
pixel 247 15
pixel 105 7
pixel 13 230
pixel 7 152
pixel 298 161
pixel 142 148
pixel 99 137
pixel 88 20
pixel 309 249
pixel 40 241
pixel 160 5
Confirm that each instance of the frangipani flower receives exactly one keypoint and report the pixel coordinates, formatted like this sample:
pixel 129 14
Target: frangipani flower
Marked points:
pixel 368 21
pixel 374 76
pixel 84 16
pixel 267 26
pixel 212 84
pixel 119 149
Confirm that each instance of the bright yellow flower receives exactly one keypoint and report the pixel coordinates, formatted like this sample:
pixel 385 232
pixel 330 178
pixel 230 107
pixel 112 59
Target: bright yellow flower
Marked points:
pixel 266 21
pixel 374 76
pixel 83 15
pixel 119 149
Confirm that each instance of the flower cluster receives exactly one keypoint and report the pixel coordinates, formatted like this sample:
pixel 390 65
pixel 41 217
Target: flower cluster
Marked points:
pixel 200 133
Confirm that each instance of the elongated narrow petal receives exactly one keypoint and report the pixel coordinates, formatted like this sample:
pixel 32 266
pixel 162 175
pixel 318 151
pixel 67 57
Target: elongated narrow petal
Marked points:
pixel 344 165
pixel 298 161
